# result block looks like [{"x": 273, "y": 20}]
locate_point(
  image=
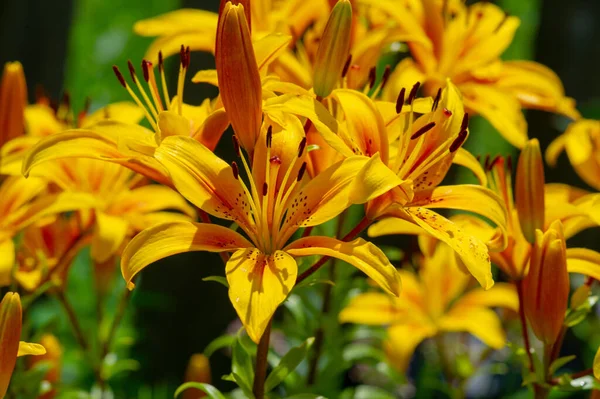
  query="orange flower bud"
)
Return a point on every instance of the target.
[
  {"x": 13, "y": 99},
  {"x": 10, "y": 334},
  {"x": 198, "y": 370},
  {"x": 52, "y": 357},
  {"x": 333, "y": 49},
  {"x": 237, "y": 71},
  {"x": 530, "y": 190},
  {"x": 546, "y": 287}
]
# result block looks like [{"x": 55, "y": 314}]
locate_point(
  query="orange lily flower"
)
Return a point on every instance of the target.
[
  {"x": 452, "y": 40},
  {"x": 278, "y": 199},
  {"x": 438, "y": 298}
]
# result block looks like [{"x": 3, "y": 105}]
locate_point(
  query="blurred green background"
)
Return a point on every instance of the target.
[{"x": 71, "y": 45}]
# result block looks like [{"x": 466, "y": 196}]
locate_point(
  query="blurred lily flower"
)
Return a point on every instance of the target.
[
  {"x": 436, "y": 299},
  {"x": 278, "y": 199},
  {"x": 448, "y": 39}
]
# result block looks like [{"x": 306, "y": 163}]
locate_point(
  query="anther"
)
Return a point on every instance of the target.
[
  {"x": 465, "y": 122},
  {"x": 458, "y": 142},
  {"x": 422, "y": 130},
  {"x": 346, "y": 66},
  {"x": 161, "y": 64},
  {"x": 372, "y": 77},
  {"x": 400, "y": 100},
  {"x": 265, "y": 189},
  {"x": 301, "y": 171},
  {"x": 235, "y": 170},
  {"x": 269, "y": 136},
  {"x": 447, "y": 112},
  {"x": 187, "y": 57},
  {"x": 131, "y": 70},
  {"x": 413, "y": 93},
  {"x": 436, "y": 101},
  {"x": 182, "y": 56},
  {"x": 119, "y": 76},
  {"x": 145, "y": 66},
  {"x": 275, "y": 160},
  {"x": 301, "y": 147},
  {"x": 509, "y": 165},
  {"x": 486, "y": 162},
  {"x": 236, "y": 145},
  {"x": 385, "y": 77}
]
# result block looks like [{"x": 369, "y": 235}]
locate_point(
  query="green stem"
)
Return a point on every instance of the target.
[
  {"x": 116, "y": 321},
  {"x": 260, "y": 372},
  {"x": 524, "y": 331}
]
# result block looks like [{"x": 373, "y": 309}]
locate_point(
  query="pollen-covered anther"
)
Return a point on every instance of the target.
[
  {"x": 385, "y": 77},
  {"x": 509, "y": 165},
  {"x": 236, "y": 145},
  {"x": 372, "y": 77},
  {"x": 459, "y": 141},
  {"x": 301, "y": 171},
  {"x": 131, "y": 71},
  {"x": 301, "y": 146},
  {"x": 265, "y": 189},
  {"x": 146, "y": 65},
  {"x": 269, "y": 136},
  {"x": 422, "y": 130},
  {"x": 400, "y": 100},
  {"x": 161, "y": 63},
  {"x": 413, "y": 93},
  {"x": 465, "y": 122},
  {"x": 436, "y": 101},
  {"x": 119, "y": 75},
  {"x": 346, "y": 66},
  {"x": 235, "y": 170}
]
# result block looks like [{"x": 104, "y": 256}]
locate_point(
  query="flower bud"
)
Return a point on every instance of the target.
[
  {"x": 546, "y": 286},
  {"x": 237, "y": 71},
  {"x": 198, "y": 370},
  {"x": 53, "y": 358},
  {"x": 10, "y": 334},
  {"x": 13, "y": 99},
  {"x": 530, "y": 190},
  {"x": 333, "y": 49}
]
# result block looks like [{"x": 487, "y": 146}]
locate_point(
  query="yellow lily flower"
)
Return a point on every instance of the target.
[
  {"x": 24, "y": 202},
  {"x": 10, "y": 333},
  {"x": 123, "y": 141},
  {"x": 575, "y": 208},
  {"x": 418, "y": 151},
  {"x": 452, "y": 40},
  {"x": 435, "y": 300},
  {"x": 278, "y": 199},
  {"x": 581, "y": 141}
]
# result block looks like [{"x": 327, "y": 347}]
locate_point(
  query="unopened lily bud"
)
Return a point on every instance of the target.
[
  {"x": 333, "y": 49},
  {"x": 237, "y": 72},
  {"x": 530, "y": 190},
  {"x": 10, "y": 334},
  {"x": 546, "y": 286},
  {"x": 53, "y": 359},
  {"x": 13, "y": 99},
  {"x": 198, "y": 370}
]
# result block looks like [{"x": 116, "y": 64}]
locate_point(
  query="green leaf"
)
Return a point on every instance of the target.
[
  {"x": 241, "y": 366},
  {"x": 577, "y": 315},
  {"x": 366, "y": 392},
  {"x": 597, "y": 364},
  {"x": 360, "y": 352},
  {"x": 224, "y": 341},
  {"x": 288, "y": 363},
  {"x": 558, "y": 363},
  {"x": 306, "y": 396},
  {"x": 243, "y": 385},
  {"x": 208, "y": 389},
  {"x": 217, "y": 279}
]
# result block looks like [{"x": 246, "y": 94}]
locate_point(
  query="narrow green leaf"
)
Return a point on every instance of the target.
[
  {"x": 217, "y": 279},
  {"x": 208, "y": 389},
  {"x": 597, "y": 364},
  {"x": 224, "y": 341},
  {"x": 306, "y": 396},
  {"x": 558, "y": 363},
  {"x": 288, "y": 363},
  {"x": 360, "y": 352},
  {"x": 241, "y": 366}
]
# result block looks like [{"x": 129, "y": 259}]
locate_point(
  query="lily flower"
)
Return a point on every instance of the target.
[
  {"x": 464, "y": 43},
  {"x": 11, "y": 315},
  {"x": 277, "y": 200},
  {"x": 437, "y": 299},
  {"x": 419, "y": 152},
  {"x": 124, "y": 141},
  {"x": 581, "y": 141}
]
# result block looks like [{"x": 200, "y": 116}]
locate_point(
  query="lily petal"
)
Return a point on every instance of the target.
[
  {"x": 109, "y": 234},
  {"x": 160, "y": 241},
  {"x": 466, "y": 159},
  {"x": 258, "y": 284},
  {"x": 28, "y": 348},
  {"x": 583, "y": 261},
  {"x": 482, "y": 323},
  {"x": 7, "y": 261},
  {"x": 359, "y": 253},
  {"x": 501, "y": 295},
  {"x": 371, "y": 308},
  {"x": 402, "y": 341}
]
